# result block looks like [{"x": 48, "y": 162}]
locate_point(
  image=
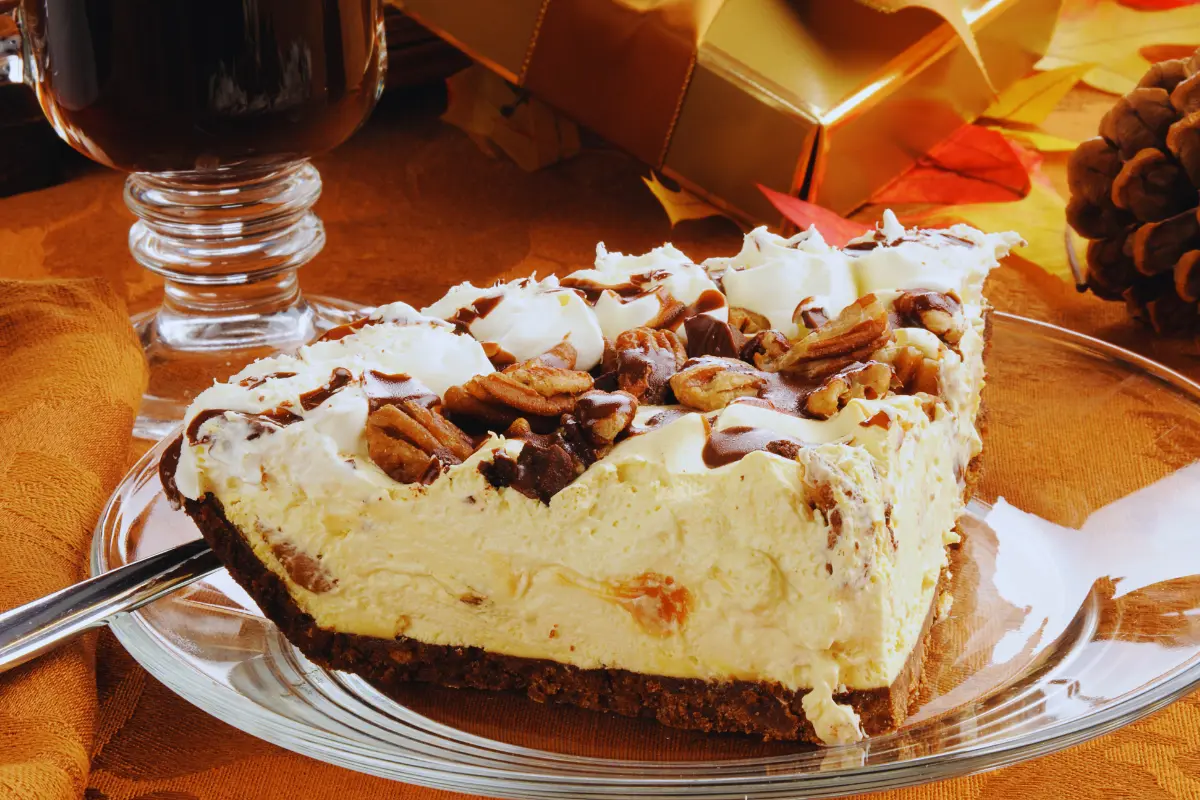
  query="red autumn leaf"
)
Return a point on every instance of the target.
[
  {"x": 834, "y": 229},
  {"x": 1157, "y": 5},
  {"x": 975, "y": 165}
]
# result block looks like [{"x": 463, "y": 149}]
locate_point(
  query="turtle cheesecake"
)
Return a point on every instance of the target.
[{"x": 717, "y": 494}]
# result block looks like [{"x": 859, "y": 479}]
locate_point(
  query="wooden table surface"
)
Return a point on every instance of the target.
[{"x": 412, "y": 206}]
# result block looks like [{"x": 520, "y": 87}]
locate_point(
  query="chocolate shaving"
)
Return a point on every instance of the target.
[{"x": 709, "y": 336}]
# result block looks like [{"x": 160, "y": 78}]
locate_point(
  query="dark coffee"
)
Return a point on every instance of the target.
[{"x": 173, "y": 85}]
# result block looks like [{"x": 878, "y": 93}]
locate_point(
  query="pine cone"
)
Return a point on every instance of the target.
[{"x": 1134, "y": 193}]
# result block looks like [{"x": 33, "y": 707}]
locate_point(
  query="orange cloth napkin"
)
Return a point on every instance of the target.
[{"x": 71, "y": 376}]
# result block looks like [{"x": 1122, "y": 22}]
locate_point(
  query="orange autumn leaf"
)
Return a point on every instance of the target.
[
  {"x": 975, "y": 165},
  {"x": 835, "y": 229}
]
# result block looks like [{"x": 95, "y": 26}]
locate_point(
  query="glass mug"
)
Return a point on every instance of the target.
[{"x": 213, "y": 106}]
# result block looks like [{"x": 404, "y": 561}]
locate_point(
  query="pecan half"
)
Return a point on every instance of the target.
[
  {"x": 412, "y": 443},
  {"x": 747, "y": 321},
  {"x": 711, "y": 383},
  {"x": 870, "y": 380},
  {"x": 530, "y": 388},
  {"x": 645, "y": 361},
  {"x": 939, "y": 313},
  {"x": 862, "y": 328}
]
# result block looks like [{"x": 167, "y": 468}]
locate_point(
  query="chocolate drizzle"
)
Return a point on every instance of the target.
[
  {"x": 167, "y": 467},
  {"x": 382, "y": 389},
  {"x": 263, "y": 422},
  {"x": 339, "y": 379},
  {"x": 664, "y": 417},
  {"x": 672, "y": 313},
  {"x": 632, "y": 289},
  {"x": 342, "y": 331},
  {"x": 477, "y": 309},
  {"x": 671, "y": 317},
  {"x": 497, "y": 355},
  {"x": 733, "y": 444},
  {"x": 253, "y": 382},
  {"x": 930, "y": 237}
]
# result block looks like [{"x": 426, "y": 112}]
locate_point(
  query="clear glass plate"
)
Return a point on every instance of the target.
[{"x": 1076, "y": 610}]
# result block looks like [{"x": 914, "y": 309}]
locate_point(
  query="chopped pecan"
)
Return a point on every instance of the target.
[
  {"x": 862, "y": 328},
  {"x": 914, "y": 372},
  {"x": 530, "y": 388},
  {"x": 412, "y": 443},
  {"x": 711, "y": 383},
  {"x": 645, "y": 361},
  {"x": 870, "y": 380},
  {"x": 765, "y": 347},
  {"x": 747, "y": 321},
  {"x": 939, "y": 313},
  {"x": 604, "y": 416},
  {"x": 562, "y": 356}
]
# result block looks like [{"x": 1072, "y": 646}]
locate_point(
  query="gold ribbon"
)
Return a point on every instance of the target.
[{"x": 625, "y": 59}]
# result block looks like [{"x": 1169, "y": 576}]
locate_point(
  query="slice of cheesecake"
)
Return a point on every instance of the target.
[{"x": 714, "y": 494}]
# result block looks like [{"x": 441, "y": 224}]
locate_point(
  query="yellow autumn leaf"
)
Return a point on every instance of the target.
[
  {"x": 1040, "y": 217},
  {"x": 504, "y": 118},
  {"x": 680, "y": 204},
  {"x": 1042, "y": 142},
  {"x": 1110, "y": 35},
  {"x": 953, "y": 11},
  {"x": 1030, "y": 100}
]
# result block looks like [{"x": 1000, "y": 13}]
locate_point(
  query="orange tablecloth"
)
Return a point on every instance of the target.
[{"x": 411, "y": 205}]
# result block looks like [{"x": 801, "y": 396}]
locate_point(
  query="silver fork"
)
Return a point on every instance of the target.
[{"x": 28, "y": 631}]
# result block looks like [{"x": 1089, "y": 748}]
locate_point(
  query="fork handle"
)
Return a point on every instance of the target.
[{"x": 30, "y": 630}]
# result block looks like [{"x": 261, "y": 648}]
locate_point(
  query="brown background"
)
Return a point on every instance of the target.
[{"x": 411, "y": 206}]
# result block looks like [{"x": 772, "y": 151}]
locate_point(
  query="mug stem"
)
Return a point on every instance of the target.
[{"x": 228, "y": 243}]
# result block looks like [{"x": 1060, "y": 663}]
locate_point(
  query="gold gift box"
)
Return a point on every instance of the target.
[{"x": 825, "y": 99}]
